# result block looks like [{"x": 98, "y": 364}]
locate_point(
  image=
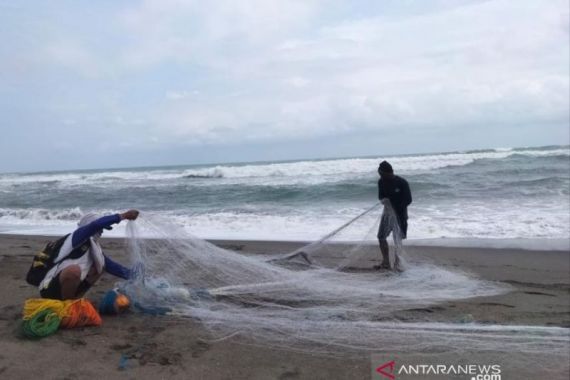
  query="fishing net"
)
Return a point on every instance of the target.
[{"x": 323, "y": 297}]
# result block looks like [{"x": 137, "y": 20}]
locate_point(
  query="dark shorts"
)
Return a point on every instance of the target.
[
  {"x": 53, "y": 291},
  {"x": 388, "y": 225}
]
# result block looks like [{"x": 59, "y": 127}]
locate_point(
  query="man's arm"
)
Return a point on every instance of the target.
[
  {"x": 407, "y": 194},
  {"x": 81, "y": 234},
  {"x": 116, "y": 269},
  {"x": 380, "y": 190}
]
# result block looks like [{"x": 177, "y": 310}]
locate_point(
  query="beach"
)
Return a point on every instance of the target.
[
  {"x": 285, "y": 190},
  {"x": 139, "y": 346}
]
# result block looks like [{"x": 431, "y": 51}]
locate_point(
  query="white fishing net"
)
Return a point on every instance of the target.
[{"x": 324, "y": 297}]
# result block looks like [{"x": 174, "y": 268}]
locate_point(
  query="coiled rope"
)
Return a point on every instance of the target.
[
  {"x": 43, "y": 317},
  {"x": 41, "y": 324}
]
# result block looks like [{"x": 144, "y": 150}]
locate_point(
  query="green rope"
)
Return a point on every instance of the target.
[{"x": 42, "y": 324}]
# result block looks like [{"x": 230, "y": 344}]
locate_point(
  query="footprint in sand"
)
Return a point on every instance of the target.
[
  {"x": 427, "y": 309},
  {"x": 540, "y": 294},
  {"x": 121, "y": 347},
  {"x": 496, "y": 304},
  {"x": 8, "y": 313},
  {"x": 287, "y": 375},
  {"x": 199, "y": 348}
]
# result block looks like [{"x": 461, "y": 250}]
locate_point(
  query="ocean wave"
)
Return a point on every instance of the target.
[
  {"x": 542, "y": 148},
  {"x": 40, "y": 214},
  {"x": 495, "y": 150},
  {"x": 542, "y": 183},
  {"x": 213, "y": 173},
  {"x": 476, "y": 219},
  {"x": 84, "y": 178},
  {"x": 555, "y": 155},
  {"x": 308, "y": 171},
  {"x": 503, "y": 149},
  {"x": 364, "y": 166}
]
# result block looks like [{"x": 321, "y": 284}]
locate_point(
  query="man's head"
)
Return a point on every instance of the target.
[{"x": 385, "y": 170}]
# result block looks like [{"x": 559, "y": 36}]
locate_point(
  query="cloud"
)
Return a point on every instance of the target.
[
  {"x": 69, "y": 54},
  {"x": 193, "y": 32},
  {"x": 484, "y": 63},
  {"x": 155, "y": 74}
]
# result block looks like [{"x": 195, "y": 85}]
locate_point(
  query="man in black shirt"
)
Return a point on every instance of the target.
[{"x": 394, "y": 192}]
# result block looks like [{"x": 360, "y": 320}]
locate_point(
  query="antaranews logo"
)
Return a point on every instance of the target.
[
  {"x": 390, "y": 370},
  {"x": 384, "y": 368}
]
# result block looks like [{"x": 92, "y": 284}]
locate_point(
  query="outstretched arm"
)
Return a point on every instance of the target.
[
  {"x": 81, "y": 235},
  {"x": 116, "y": 269}
]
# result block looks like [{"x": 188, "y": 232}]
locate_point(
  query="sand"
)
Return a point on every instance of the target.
[{"x": 136, "y": 346}]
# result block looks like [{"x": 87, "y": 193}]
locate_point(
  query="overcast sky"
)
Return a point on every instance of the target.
[{"x": 97, "y": 84}]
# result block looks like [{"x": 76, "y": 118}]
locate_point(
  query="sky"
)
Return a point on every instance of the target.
[{"x": 103, "y": 84}]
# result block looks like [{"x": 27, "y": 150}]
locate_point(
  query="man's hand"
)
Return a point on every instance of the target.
[{"x": 130, "y": 215}]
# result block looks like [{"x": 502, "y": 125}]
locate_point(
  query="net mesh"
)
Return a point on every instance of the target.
[{"x": 324, "y": 297}]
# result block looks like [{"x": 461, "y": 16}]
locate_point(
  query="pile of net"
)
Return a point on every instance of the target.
[{"x": 324, "y": 297}]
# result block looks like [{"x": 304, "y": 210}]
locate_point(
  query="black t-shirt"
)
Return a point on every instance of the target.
[{"x": 398, "y": 191}]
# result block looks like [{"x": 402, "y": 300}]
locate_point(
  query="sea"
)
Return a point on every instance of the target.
[{"x": 506, "y": 198}]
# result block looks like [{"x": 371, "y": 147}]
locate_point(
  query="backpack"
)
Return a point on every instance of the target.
[{"x": 45, "y": 259}]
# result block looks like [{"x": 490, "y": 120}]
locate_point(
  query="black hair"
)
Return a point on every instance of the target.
[{"x": 385, "y": 167}]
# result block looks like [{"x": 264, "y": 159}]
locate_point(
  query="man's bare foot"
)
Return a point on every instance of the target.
[
  {"x": 397, "y": 265},
  {"x": 383, "y": 265}
]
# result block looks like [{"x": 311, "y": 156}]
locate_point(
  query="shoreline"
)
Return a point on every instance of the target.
[
  {"x": 526, "y": 244},
  {"x": 174, "y": 347}
]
